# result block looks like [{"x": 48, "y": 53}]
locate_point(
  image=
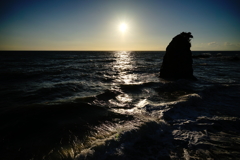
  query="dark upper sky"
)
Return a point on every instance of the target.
[{"x": 96, "y": 24}]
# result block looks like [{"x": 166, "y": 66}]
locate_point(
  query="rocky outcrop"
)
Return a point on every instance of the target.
[{"x": 177, "y": 61}]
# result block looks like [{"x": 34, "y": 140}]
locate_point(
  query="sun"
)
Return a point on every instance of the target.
[{"x": 123, "y": 27}]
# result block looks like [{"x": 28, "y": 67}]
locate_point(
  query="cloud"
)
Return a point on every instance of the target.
[
  {"x": 217, "y": 46},
  {"x": 228, "y": 44},
  {"x": 212, "y": 44}
]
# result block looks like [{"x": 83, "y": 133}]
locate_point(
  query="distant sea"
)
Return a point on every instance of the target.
[{"x": 113, "y": 105}]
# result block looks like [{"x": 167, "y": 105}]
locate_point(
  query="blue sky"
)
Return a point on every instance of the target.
[{"x": 94, "y": 24}]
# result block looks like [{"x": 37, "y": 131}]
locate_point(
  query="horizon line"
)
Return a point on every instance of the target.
[{"x": 117, "y": 50}]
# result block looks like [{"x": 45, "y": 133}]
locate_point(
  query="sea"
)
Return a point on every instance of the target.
[{"x": 104, "y": 105}]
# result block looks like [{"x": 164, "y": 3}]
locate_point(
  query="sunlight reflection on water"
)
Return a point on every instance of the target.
[{"x": 124, "y": 66}]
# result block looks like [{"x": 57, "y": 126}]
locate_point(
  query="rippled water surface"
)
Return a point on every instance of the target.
[{"x": 113, "y": 105}]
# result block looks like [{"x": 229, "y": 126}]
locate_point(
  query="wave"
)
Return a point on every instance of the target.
[
  {"x": 202, "y": 55},
  {"x": 234, "y": 58},
  {"x": 43, "y": 130},
  {"x": 231, "y": 57},
  {"x": 194, "y": 126}
]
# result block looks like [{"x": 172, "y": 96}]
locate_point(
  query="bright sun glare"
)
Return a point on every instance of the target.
[{"x": 123, "y": 27}]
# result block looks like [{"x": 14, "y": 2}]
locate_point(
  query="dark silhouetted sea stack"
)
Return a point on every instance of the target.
[{"x": 177, "y": 61}]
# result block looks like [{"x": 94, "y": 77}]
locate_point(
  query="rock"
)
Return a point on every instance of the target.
[{"x": 177, "y": 61}]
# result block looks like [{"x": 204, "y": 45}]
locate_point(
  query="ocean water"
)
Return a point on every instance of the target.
[{"x": 113, "y": 105}]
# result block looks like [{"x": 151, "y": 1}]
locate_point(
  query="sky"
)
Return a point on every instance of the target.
[{"x": 95, "y": 24}]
